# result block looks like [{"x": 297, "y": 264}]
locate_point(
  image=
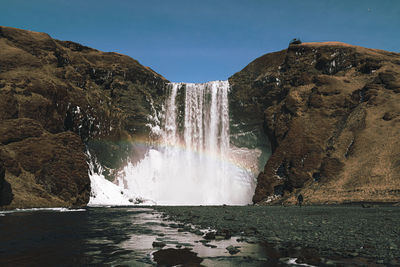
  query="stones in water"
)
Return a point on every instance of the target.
[
  {"x": 223, "y": 234},
  {"x": 158, "y": 244},
  {"x": 232, "y": 250},
  {"x": 209, "y": 236},
  {"x": 172, "y": 257}
]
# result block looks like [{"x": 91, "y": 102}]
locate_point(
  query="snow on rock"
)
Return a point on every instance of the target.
[{"x": 106, "y": 193}]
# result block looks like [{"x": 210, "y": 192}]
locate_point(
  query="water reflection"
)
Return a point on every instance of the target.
[{"x": 107, "y": 236}]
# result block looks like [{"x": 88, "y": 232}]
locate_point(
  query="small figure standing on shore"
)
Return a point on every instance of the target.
[{"x": 300, "y": 200}]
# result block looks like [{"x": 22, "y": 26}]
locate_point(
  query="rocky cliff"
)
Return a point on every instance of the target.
[
  {"x": 58, "y": 99},
  {"x": 332, "y": 114}
]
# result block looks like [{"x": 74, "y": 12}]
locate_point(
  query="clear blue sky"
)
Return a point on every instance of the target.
[{"x": 202, "y": 40}]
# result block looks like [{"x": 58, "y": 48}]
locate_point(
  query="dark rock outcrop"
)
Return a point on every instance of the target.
[
  {"x": 59, "y": 98},
  {"x": 330, "y": 113},
  {"x": 172, "y": 257},
  {"x": 6, "y": 195}
]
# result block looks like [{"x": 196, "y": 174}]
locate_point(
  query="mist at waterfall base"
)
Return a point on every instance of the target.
[{"x": 193, "y": 163}]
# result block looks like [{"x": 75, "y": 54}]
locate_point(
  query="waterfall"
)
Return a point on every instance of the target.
[{"x": 193, "y": 163}]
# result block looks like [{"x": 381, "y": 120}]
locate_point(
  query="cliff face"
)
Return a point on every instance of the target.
[
  {"x": 332, "y": 114},
  {"x": 57, "y": 97},
  {"x": 330, "y": 110}
]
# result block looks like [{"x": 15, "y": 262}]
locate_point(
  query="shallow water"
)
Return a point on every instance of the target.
[
  {"x": 124, "y": 236},
  {"x": 106, "y": 236}
]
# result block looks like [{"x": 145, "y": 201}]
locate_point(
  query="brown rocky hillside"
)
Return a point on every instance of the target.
[
  {"x": 58, "y": 98},
  {"x": 332, "y": 114}
]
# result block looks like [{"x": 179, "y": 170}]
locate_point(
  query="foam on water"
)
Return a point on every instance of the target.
[{"x": 2, "y": 213}]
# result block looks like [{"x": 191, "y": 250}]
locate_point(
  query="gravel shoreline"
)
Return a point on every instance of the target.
[{"x": 365, "y": 235}]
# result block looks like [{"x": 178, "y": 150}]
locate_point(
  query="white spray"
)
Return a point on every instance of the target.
[{"x": 192, "y": 165}]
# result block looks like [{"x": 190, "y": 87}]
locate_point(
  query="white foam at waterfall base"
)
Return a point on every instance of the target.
[
  {"x": 193, "y": 165},
  {"x": 174, "y": 176}
]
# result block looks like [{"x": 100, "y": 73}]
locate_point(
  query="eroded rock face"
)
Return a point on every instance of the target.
[
  {"x": 43, "y": 169},
  {"x": 56, "y": 97},
  {"x": 331, "y": 113}
]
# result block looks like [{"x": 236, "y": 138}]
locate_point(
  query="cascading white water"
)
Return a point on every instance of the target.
[{"x": 193, "y": 163}]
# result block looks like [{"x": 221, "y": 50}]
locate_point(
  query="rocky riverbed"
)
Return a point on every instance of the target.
[
  {"x": 117, "y": 236},
  {"x": 353, "y": 235},
  {"x": 202, "y": 236}
]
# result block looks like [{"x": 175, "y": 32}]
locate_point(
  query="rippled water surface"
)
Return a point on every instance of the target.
[{"x": 105, "y": 236}]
